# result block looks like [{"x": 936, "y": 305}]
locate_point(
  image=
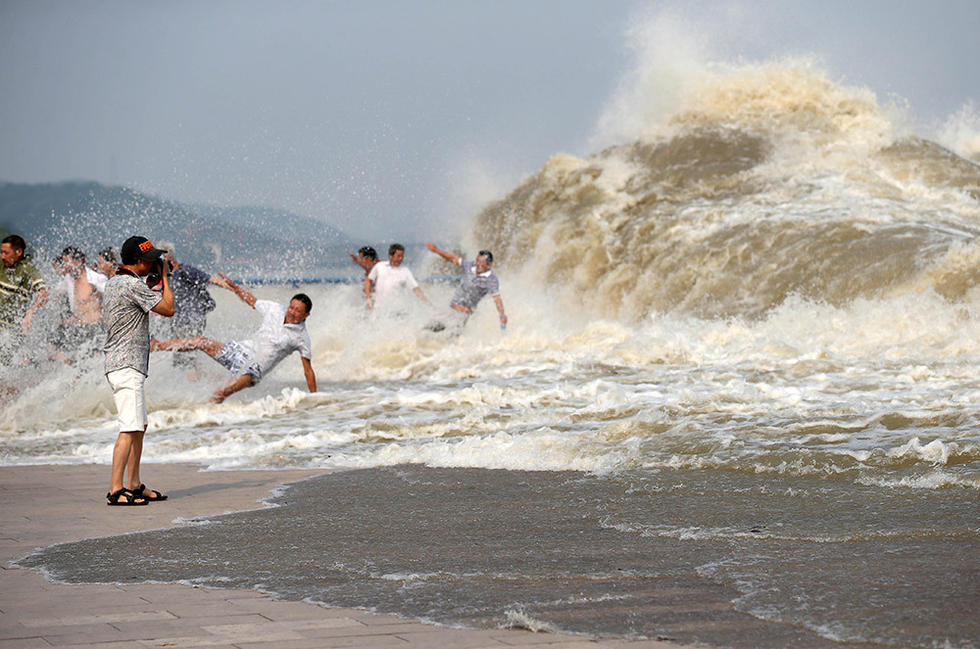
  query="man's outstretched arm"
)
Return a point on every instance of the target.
[
  {"x": 500, "y": 309},
  {"x": 39, "y": 301},
  {"x": 418, "y": 292},
  {"x": 309, "y": 373},
  {"x": 448, "y": 256},
  {"x": 244, "y": 295},
  {"x": 367, "y": 293},
  {"x": 218, "y": 281},
  {"x": 366, "y": 264}
]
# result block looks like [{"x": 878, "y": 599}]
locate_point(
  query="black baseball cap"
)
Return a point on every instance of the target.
[{"x": 136, "y": 248}]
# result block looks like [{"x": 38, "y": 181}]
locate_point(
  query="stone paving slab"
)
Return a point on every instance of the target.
[
  {"x": 27, "y": 643},
  {"x": 35, "y": 613}
]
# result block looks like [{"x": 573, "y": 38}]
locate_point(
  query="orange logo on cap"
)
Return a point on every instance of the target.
[{"x": 146, "y": 246}]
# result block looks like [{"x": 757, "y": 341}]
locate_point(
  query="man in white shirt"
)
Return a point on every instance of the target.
[
  {"x": 390, "y": 279},
  {"x": 83, "y": 286},
  {"x": 283, "y": 331}
]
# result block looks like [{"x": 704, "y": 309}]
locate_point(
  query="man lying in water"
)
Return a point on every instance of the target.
[{"x": 283, "y": 331}]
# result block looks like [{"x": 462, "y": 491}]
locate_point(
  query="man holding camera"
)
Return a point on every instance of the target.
[{"x": 126, "y": 307}]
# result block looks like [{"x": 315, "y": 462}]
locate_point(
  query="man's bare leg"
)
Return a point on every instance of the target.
[
  {"x": 210, "y": 347},
  {"x": 122, "y": 454},
  {"x": 133, "y": 463},
  {"x": 230, "y": 388}
]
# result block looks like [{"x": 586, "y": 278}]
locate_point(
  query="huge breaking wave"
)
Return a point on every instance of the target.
[
  {"x": 769, "y": 181},
  {"x": 776, "y": 278}
]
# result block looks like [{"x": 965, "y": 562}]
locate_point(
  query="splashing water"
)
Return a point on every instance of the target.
[{"x": 773, "y": 283}]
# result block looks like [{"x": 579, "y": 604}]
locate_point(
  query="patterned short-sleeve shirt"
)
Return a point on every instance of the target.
[
  {"x": 126, "y": 307},
  {"x": 473, "y": 287}
]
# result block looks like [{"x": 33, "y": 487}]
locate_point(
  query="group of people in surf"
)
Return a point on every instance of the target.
[
  {"x": 120, "y": 298},
  {"x": 73, "y": 322},
  {"x": 384, "y": 280},
  {"x": 81, "y": 289}
]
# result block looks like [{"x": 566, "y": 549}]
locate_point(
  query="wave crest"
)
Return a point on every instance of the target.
[{"x": 774, "y": 182}]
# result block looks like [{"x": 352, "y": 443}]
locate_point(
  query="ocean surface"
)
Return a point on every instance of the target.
[{"x": 736, "y": 403}]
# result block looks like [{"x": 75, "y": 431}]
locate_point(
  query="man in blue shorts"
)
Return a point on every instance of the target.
[
  {"x": 283, "y": 331},
  {"x": 477, "y": 281}
]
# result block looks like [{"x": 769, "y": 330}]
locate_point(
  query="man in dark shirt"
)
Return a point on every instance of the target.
[{"x": 192, "y": 301}]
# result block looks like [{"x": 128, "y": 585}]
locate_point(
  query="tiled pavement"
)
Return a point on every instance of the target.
[{"x": 51, "y": 504}]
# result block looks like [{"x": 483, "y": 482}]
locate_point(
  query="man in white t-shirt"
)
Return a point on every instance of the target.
[
  {"x": 390, "y": 279},
  {"x": 83, "y": 286},
  {"x": 283, "y": 331}
]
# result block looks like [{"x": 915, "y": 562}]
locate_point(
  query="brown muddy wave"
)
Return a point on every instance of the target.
[{"x": 735, "y": 207}]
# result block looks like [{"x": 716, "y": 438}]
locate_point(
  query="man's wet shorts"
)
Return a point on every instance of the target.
[
  {"x": 130, "y": 398},
  {"x": 239, "y": 361}
]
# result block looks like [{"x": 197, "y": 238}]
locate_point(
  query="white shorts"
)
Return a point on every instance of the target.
[{"x": 130, "y": 398}]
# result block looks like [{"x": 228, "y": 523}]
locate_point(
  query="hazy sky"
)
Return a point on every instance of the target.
[{"x": 398, "y": 118}]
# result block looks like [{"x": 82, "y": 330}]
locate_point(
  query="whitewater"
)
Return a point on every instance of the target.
[{"x": 750, "y": 334}]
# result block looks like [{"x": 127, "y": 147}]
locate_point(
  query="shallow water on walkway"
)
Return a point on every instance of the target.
[{"x": 643, "y": 554}]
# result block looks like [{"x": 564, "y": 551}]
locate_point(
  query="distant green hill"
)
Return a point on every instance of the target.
[{"x": 251, "y": 240}]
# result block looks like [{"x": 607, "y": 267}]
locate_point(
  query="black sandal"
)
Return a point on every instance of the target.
[
  {"x": 151, "y": 497},
  {"x": 131, "y": 498}
]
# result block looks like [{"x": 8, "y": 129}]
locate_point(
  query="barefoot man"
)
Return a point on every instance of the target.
[{"x": 283, "y": 331}]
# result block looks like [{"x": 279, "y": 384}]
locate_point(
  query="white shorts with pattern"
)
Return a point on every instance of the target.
[{"x": 239, "y": 361}]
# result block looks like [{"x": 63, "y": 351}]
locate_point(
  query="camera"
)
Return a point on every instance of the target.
[{"x": 156, "y": 275}]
